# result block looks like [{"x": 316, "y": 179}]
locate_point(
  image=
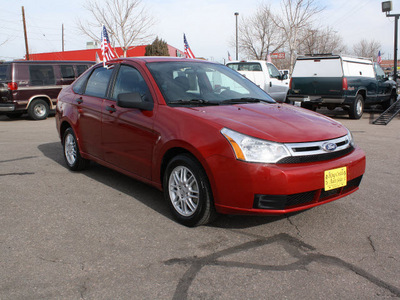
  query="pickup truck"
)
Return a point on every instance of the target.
[
  {"x": 265, "y": 75},
  {"x": 339, "y": 81}
]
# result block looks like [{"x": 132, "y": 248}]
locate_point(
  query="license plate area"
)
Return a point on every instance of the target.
[{"x": 335, "y": 178}]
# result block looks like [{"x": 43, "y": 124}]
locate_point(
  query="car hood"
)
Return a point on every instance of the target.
[{"x": 274, "y": 122}]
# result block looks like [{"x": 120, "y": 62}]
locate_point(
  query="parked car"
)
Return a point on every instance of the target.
[
  {"x": 209, "y": 138},
  {"x": 33, "y": 86},
  {"x": 340, "y": 81},
  {"x": 265, "y": 75}
]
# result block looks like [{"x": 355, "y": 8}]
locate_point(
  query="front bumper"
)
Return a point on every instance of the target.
[{"x": 274, "y": 189}]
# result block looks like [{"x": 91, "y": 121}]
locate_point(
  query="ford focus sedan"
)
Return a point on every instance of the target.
[{"x": 209, "y": 138}]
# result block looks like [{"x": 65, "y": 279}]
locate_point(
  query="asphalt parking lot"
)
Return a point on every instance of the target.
[{"x": 98, "y": 234}]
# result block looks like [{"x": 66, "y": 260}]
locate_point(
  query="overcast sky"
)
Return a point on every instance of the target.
[{"x": 209, "y": 25}]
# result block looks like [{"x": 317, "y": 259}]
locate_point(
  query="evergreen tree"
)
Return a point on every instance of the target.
[{"x": 157, "y": 48}]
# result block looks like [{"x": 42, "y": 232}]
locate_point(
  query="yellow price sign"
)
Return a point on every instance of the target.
[{"x": 335, "y": 178}]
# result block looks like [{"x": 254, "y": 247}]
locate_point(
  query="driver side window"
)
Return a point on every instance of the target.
[
  {"x": 273, "y": 71},
  {"x": 129, "y": 80},
  {"x": 379, "y": 71}
]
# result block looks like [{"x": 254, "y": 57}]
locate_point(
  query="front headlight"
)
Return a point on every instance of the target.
[
  {"x": 350, "y": 138},
  {"x": 251, "y": 149}
]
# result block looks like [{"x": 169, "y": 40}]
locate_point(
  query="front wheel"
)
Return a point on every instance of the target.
[
  {"x": 389, "y": 103},
  {"x": 188, "y": 192},
  {"x": 357, "y": 108},
  {"x": 72, "y": 155}
]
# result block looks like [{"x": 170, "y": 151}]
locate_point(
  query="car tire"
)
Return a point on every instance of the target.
[
  {"x": 38, "y": 109},
  {"x": 388, "y": 103},
  {"x": 72, "y": 155},
  {"x": 308, "y": 106},
  {"x": 357, "y": 108},
  {"x": 188, "y": 192}
]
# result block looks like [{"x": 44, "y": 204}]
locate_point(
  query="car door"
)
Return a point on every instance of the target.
[
  {"x": 128, "y": 137},
  {"x": 90, "y": 103},
  {"x": 276, "y": 87}
]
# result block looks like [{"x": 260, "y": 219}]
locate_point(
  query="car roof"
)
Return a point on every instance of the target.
[{"x": 149, "y": 59}]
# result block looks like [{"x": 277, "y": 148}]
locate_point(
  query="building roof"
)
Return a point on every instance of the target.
[{"x": 90, "y": 54}]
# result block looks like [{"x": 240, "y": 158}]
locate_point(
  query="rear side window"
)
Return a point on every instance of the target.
[
  {"x": 4, "y": 72},
  {"x": 98, "y": 82},
  {"x": 81, "y": 68},
  {"x": 42, "y": 75},
  {"x": 67, "y": 72},
  {"x": 358, "y": 69},
  {"x": 80, "y": 84}
]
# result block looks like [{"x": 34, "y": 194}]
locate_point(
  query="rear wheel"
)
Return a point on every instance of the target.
[
  {"x": 357, "y": 107},
  {"x": 72, "y": 155},
  {"x": 188, "y": 192},
  {"x": 309, "y": 106},
  {"x": 38, "y": 109}
]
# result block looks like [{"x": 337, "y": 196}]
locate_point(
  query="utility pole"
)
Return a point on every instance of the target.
[
  {"x": 62, "y": 29},
  {"x": 25, "y": 35}
]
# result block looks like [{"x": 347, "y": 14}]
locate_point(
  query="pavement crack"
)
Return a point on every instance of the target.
[
  {"x": 18, "y": 174},
  {"x": 303, "y": 254},
  {"x": 371, "y": 244},
  {"x": 17, "y": 159},
  {"x": 294, "y": 225}
]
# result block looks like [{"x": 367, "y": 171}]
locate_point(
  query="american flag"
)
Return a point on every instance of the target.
[
  {"x": 106, "y": 49},
  {"x": 229, "y": 56},
  {"x": 379, "y": 59},
  {"x": 188, "y": 51}
]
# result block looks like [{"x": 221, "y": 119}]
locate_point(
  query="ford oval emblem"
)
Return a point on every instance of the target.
[{"x": 329, "y": 147}]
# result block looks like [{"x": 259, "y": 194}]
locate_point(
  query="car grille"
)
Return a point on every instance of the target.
[
  {"x": 281, "y": 202},
  {"x": 315, "y": 151}
]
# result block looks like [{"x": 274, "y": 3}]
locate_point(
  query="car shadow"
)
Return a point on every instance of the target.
[
  {"x": 144, "y": 193},
  {"x": 149, "y": 196},
  {"x": 24, "y": 117}
]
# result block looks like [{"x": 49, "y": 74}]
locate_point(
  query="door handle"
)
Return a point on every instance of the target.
[
  {"x": 270, "y": 83},
  {"x": 111, "y": 109},
  {"x": 79, "y": 100}
]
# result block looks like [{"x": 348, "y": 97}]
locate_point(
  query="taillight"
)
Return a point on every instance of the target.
[
  {"x": 12, "y": 86},
  {"x": 290, "y": 83},
  {"x": 344, "y": 84}
]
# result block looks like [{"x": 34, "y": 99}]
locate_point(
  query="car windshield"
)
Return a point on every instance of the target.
[{"x": 201, "y": 83}]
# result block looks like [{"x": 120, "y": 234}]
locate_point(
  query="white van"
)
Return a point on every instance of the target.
[{"x": 265, "y": 75}]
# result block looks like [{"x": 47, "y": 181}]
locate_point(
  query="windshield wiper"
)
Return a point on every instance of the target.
[
  {"x": 242, "y": 100},
  {"x": 193, "y": 102}
]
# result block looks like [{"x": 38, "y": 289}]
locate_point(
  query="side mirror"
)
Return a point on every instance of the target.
[{"x": 134, "y": 100}]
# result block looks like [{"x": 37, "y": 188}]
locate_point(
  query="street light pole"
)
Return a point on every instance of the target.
[
  {"x": 396, "y": 19},
  {"x": 237, "y": 43},
  {"x": 386, "y": 8}
]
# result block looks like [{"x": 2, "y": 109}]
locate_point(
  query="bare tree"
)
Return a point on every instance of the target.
[
  {"x": 296, "y": 16},
  {"x": 127, "y": 22},
  {"x": 366, "y": 48},
  {"x": 258, "y": 35},
  {"x": 324, "y": 40}
]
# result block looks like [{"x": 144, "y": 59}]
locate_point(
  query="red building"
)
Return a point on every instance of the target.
[{"x": 90, "y": 54}]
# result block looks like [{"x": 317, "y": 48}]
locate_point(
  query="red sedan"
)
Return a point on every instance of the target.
[{"x": 209, "y": 138}]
